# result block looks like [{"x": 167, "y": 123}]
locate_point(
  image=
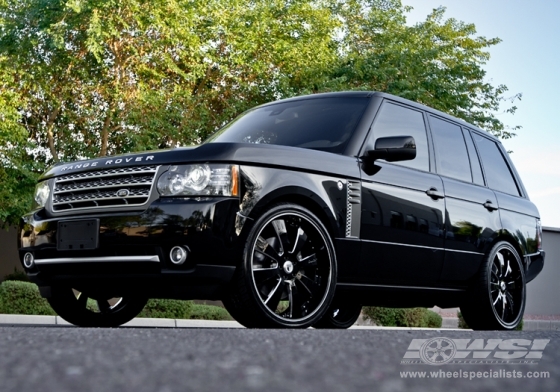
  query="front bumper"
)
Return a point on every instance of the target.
[{"x": 132, "y": 249}]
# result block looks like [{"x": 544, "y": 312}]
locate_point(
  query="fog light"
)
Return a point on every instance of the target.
[
  {"x": 28, "y": 260},
  {"x": 178, "y": 255}
]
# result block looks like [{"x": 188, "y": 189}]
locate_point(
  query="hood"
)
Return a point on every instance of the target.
[{"x": 238, "y": 153}]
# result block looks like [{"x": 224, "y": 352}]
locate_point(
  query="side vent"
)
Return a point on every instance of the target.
[{"x": 353, "y": 208}]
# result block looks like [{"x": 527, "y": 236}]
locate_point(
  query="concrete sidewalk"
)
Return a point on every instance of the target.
[
  {"x": 19, "y": 319},
  {"x": 448, "y": 323}
]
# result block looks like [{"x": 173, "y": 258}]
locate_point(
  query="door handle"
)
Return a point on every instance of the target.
[
  {"x": 434, "y": 193},
  {"x": 489, "y": 206}
]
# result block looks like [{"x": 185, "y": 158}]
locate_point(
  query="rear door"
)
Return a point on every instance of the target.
[
  {"x": 518, "y": 215},
  {"x": 472, "y": 217}
]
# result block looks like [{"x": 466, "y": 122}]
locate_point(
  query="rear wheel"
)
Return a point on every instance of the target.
[
  {"x": 288, "y": 274},
  {"x": 342, "y": 314},
  {"x": 80, "y": 309},
  {"x": 497, "y": 297}
]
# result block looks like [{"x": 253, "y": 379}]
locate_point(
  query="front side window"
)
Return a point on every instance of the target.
[
  {"x": 396, "y": 120},
  {"x": 452, "y": 159},
  {"x": 318, "y": 123},
  {"x": 498, "y": 175}
]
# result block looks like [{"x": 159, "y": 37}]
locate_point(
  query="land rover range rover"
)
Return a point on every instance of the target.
[{"x": 295, "y": 214}]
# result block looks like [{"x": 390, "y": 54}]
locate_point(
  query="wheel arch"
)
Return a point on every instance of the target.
[
  {"x": 303, "y": 197},
  {"x": 506, "y": 236}
]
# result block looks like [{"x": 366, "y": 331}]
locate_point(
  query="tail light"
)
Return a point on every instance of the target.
[{"x": 539, "y": 234}]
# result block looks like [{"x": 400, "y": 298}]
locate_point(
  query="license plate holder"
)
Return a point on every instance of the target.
[{"x": 78, "y": 234}]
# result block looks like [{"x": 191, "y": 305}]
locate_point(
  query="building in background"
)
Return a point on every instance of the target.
[
  {"x": 543, "y": 292},
  {"x": 8, "y": 252}
]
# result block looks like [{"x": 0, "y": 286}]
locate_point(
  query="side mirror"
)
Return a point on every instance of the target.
[{"x": 394, "y": 148}]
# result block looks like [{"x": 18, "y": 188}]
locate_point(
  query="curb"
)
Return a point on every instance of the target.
[
  {"x": 449, "y": 323},
  {"x": 21, "y": 319}
]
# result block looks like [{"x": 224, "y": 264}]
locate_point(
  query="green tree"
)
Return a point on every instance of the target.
[
  {"x": 87, "y": 78},
  {"x": 438, "y": 62}
]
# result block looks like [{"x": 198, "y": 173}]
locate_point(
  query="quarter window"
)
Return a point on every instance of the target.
[
  {"x": 452, "y": 159},
  {"x": 396, "y": 120},
  {"x": 498, "y": 175}
]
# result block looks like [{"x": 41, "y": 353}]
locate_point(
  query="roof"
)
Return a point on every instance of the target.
[{"x": 371, "y": 94}]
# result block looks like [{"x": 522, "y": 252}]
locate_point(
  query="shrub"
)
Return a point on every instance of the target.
[
  {"x": 403, "y": 317},
  {"x": 167, "y": 308},
  {"x": 209, "y": 312},
  {"x": 18, "y": 297},
  {"x": 17, "y": 275},
  {"x": 463, "y": 324},
  {"x": 434, "y": 320},
  {"x": 382, "y": 316}
]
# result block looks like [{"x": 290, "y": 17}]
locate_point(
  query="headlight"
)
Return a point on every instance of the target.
[
  {"x": 199, "y": 180},
  {"x": 42, "y": 193}
]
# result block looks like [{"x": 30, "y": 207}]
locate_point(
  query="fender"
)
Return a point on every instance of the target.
[{"x": 261, "y": 187}]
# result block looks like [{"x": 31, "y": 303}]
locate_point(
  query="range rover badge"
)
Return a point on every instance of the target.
[{"x": 123, "y": 192}]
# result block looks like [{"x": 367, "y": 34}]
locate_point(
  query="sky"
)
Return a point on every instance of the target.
[{"x": 527, "y": 61}]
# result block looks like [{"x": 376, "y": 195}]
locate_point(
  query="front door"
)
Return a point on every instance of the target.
[{"x": 403, "y": 207}]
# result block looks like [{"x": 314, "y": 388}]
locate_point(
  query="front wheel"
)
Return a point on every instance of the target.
[
  {"x": 497, "y": 297},
  {"x": 288, "y": 274},
  {"x": 80, "y": 309}
]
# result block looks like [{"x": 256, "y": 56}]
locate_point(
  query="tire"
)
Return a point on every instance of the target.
[
  {"x": 341, "y": 315},
  {"x": 288, "y": 273},
  {"x": 497, "y": 297},
  {"x": 73, "y": 307}
]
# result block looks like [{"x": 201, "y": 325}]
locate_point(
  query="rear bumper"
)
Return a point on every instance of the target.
[
  {"x": 535, "y": 264},
  {"x": 132, "y": 252}
]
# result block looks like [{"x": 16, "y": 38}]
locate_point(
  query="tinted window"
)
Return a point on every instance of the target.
[
  {"x": 320, "y": 123},
  {"x": 452, "y": 159},
  {"x": 496, "y": 169},
  {"x": 395, "y": 120},
  {"x": 475, "y": 162}
]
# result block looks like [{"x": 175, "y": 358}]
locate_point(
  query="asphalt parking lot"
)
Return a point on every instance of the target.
[{"x": 205, "y": 358}]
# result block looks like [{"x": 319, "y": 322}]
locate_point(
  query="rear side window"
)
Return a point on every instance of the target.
[
  {"x": 396, "y": 120},
  {"x": 475, "y": 162},
  {"x": 497, "y": 171},
  {"x": 452, "y": 159}
]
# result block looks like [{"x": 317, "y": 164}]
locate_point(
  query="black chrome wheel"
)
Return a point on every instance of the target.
[
  {"x": 80, "y": 309},
  {"x": 289, "y": 271},
  {"x": 342, "y": 314},
  {"x": 498, "y": 296},
  {"x": 507, "y": 287}
]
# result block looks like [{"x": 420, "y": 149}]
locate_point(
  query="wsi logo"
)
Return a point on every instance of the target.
[{"x": 441, "y": 350}]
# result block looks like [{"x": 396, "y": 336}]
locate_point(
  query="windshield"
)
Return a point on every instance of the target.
[{"x": 318, "y": 123}]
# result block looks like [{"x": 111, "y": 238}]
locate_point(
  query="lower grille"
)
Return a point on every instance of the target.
[{"x": 129, "y": 186}]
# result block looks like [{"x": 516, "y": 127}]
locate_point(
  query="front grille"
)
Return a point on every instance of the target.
[{"x": 127, "y": 186}]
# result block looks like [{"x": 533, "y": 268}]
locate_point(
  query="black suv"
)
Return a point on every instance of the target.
[{"x": 295, "y": 214}]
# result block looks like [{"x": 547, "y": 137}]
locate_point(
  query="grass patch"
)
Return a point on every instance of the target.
[
  {"x": 167, "y": 308},
  {"x": 19, "y": 297},
  {"x": 209, "y": 312},
  {"x": 403, "y": 317}
]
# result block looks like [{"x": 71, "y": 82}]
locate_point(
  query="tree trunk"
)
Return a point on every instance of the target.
[
  {"x": 105, "y": 134},
  {"x": 50, "y": 135}
]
